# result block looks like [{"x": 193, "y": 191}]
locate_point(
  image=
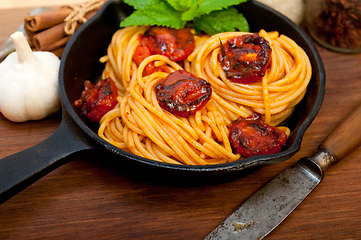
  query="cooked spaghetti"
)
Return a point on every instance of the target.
[{"x": 139, "y": 125}]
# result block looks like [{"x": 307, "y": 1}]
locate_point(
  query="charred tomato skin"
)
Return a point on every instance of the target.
[
  {"x": 183, "y": 94},
  {"x": 251, "y": 136},
  {"x": 96, "y": 100},
  {"x": 246, "y": 58},
  {"x": 176, "y": 44}
]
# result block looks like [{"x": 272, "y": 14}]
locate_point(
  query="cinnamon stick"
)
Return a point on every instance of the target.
[
  {"x": 50, "y": 31},
  {"x": 50, "y": 39},
  {"x": 46, "y": 19},
  {"x": 54, "y": 37}
]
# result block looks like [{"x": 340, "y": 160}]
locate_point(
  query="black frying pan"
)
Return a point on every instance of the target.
[{"x": 76, "y": 137}]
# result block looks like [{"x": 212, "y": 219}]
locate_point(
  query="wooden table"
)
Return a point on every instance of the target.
[{"x": 90, "y": 199}]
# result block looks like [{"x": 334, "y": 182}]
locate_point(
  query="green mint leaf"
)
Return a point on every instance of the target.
[
  {"x": 161, "y": 14},
  {"x": 208, "y": 6},
  {"x": 141, "y": 4},
  {"x": 187, "y": 7},
  {"x": 179, "y": 5},
  {"x": 226, "y": 20},
  {"x": 190, "y": 13}
]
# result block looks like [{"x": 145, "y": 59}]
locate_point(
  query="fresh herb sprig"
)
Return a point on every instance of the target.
[{"x": 209, "y": 16}]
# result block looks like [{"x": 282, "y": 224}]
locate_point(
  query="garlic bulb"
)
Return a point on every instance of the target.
[{"x": 29, "y": 88}]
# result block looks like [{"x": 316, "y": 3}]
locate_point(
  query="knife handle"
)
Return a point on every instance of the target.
[{"x": 346, "y": 137}]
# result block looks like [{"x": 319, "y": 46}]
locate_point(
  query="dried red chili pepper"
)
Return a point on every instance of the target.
[{"x": 337, "y": 22}]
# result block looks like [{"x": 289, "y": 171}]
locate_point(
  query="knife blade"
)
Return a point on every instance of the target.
[
  {"x": 8, "y": 47},
  {"x": 269, "y": 206}
]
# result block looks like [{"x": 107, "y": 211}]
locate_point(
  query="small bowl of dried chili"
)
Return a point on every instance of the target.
[{"x": 335, "y": 24}]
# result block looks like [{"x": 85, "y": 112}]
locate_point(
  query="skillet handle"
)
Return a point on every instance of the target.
[{"x": 20, "y": 170}]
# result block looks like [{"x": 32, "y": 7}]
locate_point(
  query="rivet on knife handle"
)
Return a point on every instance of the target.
[{"x": 269, "y": 206}]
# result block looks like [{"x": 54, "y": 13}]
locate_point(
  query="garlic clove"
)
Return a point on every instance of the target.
[{"x": 29, "y": 88}]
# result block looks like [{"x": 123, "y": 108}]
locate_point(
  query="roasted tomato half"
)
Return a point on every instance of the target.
[
  {"x": 251, "y": 136},
  {"x": 176, "y": 44},
  {"x": 182, "y": 93},
  {"x": 96, "y": 100},
  {"x": 245, "y": 58}
]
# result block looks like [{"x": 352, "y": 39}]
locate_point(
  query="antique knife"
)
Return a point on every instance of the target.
[{"x": 268, "y": 207}]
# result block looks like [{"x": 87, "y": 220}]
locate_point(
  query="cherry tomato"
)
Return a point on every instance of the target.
[
  {"x": 141, "y": 53},
  {"x": 251, "y": 136},
  {"x": 96, "y": 100},
  {"x": 182, "y": 93},
  {"x": 245, "y": 58},
  {"x": 177, "y": 45}
]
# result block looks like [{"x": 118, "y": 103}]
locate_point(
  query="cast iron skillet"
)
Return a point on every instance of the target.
[{"x": 77, "y": 138}]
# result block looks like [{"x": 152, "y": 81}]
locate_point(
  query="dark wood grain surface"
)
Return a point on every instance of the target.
[{"x": 91, "y": 199}]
